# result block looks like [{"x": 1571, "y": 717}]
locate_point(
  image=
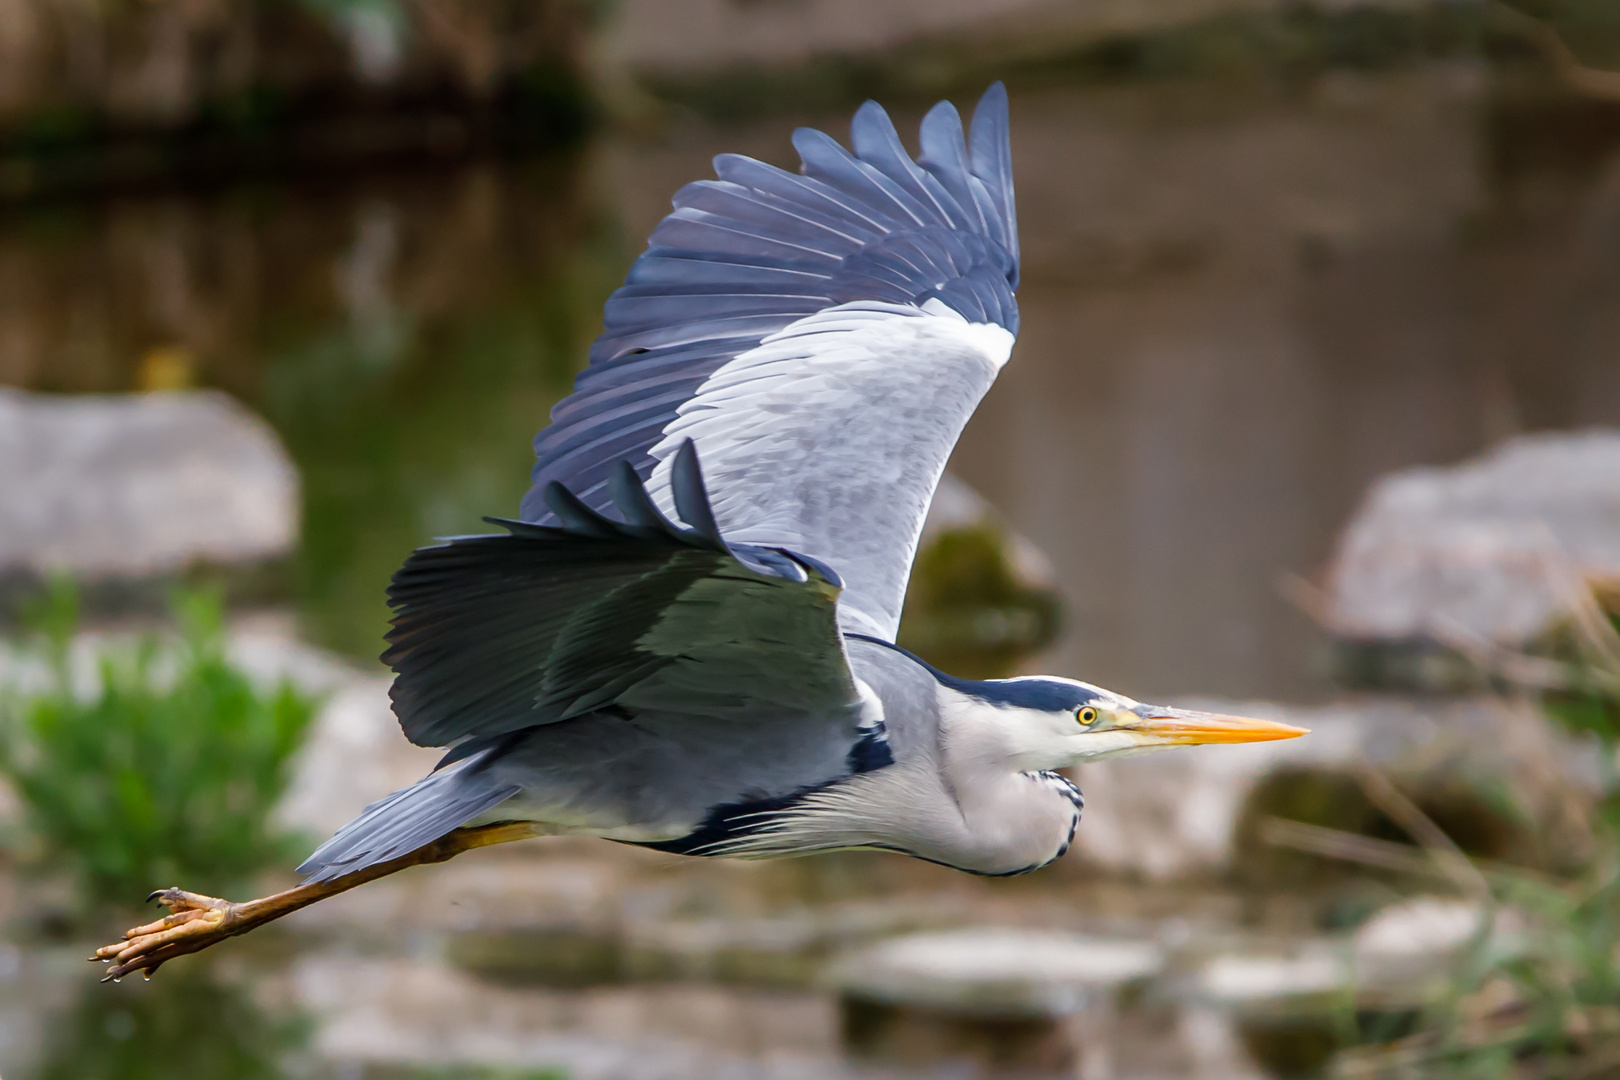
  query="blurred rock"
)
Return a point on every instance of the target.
[
  {"x": 386, "y": 1017},
  {"x": 957, "y": 506},
  {"x": 1400, "y": 951},
  {"x": 1287, "y": 1003},
  {"x": 997, "y": 971},
  {"x": 1294, "y": 1005},
  {"x": 1240, "y": 980},
  {"x": 562, "y": 957},
  {"x": 628, "y": 937},
  {"x": 139, "y": 486},
  {"x": 1180, "y": 814},
  {"x": 1005, "y": 999},
  {"x": 787, "y": 950},
  {"x": 1490, "y": 549},
  {"x": 981, "y": 601},
  {"x": 1406, "y": 947}
]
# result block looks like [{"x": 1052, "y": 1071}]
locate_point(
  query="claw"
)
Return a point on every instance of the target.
[
  {"x": 154, "y": 894},
  {"x": 194, "y": 922}
]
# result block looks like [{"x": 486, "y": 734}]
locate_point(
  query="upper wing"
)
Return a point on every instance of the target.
[
  {"x": 822, "y": 337},
  {"x": 493, "y": 634}
]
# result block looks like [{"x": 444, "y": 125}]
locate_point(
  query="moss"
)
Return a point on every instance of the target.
[
  {"x": 1482, "y": 819},
  {"x": 1591, "y": 27},
  {"x": 1587, "y": 705},
  {"x": 915, "y": 1035},
  {"x": 967, "y": 611},
  {"x": 569, "y": 957},
  {"x": 1301, "y": 1044}
]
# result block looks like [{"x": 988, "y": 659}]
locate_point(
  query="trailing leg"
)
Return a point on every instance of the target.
[{"x": 197, "y": 922}]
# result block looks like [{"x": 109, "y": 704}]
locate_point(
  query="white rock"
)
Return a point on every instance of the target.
[
  {"x": 133, "y": 485},
  {"x": 1426, "y": 926},
  {"x": 1411, "y": 946},
  {"x": 1242, "y": 979},
  {"x": 997, "y": 971},
  {"x": 1405, "y": 949},
  {"x": 1490, "y": 548}
]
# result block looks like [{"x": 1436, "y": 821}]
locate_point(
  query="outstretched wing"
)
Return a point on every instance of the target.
[
  {"x": 823, "y": 337},
  {"x": 493, "y": 634}
]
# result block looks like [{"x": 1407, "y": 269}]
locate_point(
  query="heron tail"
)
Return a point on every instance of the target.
[{"x": 409, "y": 818}]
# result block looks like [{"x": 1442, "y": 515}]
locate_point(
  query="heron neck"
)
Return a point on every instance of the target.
[{"x": 1011, "y": 809}]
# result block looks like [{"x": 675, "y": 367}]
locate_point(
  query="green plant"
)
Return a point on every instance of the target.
[
  {"x": 166, "y": 772},
  {"x": 1590, "y": 700},
  {"x": 155, "y": 1032},
  {"x": 1541, "y": 1001}
]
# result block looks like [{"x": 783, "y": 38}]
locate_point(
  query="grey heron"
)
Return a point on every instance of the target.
[{"x": 686, "y": 641}]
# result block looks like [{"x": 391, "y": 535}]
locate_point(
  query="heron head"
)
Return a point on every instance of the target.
[
  {"x": 1054, "y": 723},
  {"x": 1109, "y": 727}
]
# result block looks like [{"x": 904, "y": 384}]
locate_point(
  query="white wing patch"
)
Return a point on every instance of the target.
[
  {"x": 994, "y": 341},
  {"x": 830, "y": 436}
]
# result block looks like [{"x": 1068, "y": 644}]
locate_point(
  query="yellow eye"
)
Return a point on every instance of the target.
[{"x": 1087, "y": 716}]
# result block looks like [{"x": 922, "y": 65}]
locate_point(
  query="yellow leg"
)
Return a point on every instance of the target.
[{"x": 196, "y": 922}]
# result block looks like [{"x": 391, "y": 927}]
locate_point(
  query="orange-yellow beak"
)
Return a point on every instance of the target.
[{"x": 1182, "y": 727}]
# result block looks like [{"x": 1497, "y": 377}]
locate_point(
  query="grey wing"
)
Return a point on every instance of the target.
[
  {"x": 823, "y": 337},
  {"x": 624, "y": 678}
]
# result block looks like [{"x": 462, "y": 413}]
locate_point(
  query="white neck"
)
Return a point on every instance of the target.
[
  {"x": 985, "y": 738},
  {"x": 990, "y": 758}
]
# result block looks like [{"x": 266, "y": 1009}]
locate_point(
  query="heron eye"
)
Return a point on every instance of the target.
[{"x": 1087, "y": 716}]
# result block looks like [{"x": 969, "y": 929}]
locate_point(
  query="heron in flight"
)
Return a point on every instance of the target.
[{"x": 686, "y": 641}]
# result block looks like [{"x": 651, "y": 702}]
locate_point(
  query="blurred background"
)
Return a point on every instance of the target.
[{"x": 1315, "y": 414}]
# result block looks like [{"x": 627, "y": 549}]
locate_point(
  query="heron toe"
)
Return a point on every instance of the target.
[{"x": 195, "y": 922}]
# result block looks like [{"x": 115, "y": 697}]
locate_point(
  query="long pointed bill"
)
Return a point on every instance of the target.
[{"x": 1181, "y": 727}]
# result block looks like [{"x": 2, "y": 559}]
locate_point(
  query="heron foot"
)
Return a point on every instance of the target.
[{"x": 194, "y": 923}]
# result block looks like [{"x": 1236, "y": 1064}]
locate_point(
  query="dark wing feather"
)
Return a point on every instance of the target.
[{"x": 496, "y": 633}]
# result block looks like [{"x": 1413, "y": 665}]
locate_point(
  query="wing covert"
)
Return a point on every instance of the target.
[{"x": 494, "y": 634}]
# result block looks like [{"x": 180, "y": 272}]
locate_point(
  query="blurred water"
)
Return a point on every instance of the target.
[
  {"x": 1238, "y": 309},
  {"x": 406, "y": 335}
]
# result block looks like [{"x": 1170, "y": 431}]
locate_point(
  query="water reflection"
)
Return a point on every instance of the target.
[
  {"x": 405, "y": 335},
  {"x": 410, "y": 413},
  {"x": 1239, "y": 308}
]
